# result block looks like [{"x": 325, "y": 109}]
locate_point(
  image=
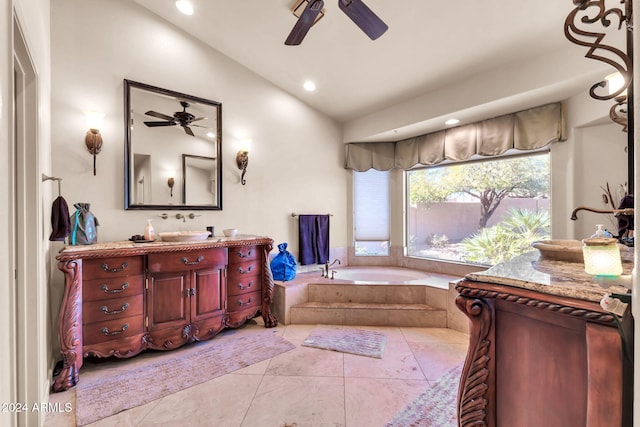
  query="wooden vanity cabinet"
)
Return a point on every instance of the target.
[
  {"x": 112, "y": 305},
  {"x": 536, "y": 359},
  {"x": 122, "y": 298},
  {"x": 185, "y": 296},
  {"x": 244, "y": 284}
]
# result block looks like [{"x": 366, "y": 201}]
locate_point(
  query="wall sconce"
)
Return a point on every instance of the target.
[
  {"x": 170, "y": 182},
  {"x": 93, "y": 139},
  {"x": 242, "y": 160}
]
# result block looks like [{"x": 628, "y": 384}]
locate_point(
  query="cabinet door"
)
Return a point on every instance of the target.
[
  {"x": 168, "y": 300},
  {"x": 208, "y": 296}
]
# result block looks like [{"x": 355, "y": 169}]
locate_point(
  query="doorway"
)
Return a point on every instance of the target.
[{"x": 28, "y": 290}]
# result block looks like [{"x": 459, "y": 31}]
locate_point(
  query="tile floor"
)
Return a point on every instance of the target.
[{"x": 303, "y": 387}]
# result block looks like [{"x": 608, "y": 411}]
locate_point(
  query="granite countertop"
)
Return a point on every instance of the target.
[
  {"x": 567, "y": 279},
  {"x": 128, "y": 245}
]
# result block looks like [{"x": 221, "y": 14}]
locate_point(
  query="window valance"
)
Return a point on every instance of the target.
[{"x": 525, "y": 130}]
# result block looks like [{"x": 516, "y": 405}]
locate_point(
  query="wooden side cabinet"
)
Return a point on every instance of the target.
[
  {"x": 541, "y": 360},
  {"x": 121, "y": 298}
]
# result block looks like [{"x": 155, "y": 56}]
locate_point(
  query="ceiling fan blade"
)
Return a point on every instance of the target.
[
  {"x": 198, "y": 118},
  {"x": 200, "y": 126},
  {"x": 363, "y": 17},
  {"x": 159, "y": 115},
  {"x": 155, "y": 124},
  {"x": 188, "y": 130},
  {"x": 305, "y": 22}
]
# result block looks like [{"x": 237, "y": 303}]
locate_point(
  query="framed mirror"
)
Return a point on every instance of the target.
[{"x": 172, "y": 150}]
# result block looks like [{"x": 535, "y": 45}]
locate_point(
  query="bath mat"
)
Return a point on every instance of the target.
[
  {"x": 169, "y": 372},
  {"x": 436, "y": 407},
  {"x": 353, "y": 341}
]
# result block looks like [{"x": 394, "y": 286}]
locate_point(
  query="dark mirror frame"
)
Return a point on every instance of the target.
[{"x": 128, "y": 196}]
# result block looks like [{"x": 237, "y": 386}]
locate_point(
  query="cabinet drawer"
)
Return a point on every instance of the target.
[
  {"x": 187, "y": 260},
  {"x": 112, "y": 267},
  {"x": 116, "y": 329},
  {"x": 115, "y": 308},
  {"x": 240, "y": 270},
  {"x": 244, "y": 301},
  {"x": 114, "y": 287},
  {"x": 242, "y": 253},
  {"x": 243, "y": 284}
]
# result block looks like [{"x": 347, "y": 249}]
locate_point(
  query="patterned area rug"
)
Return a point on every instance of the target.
[
  {"x": 169, "y": 372},
  {"x": 436, "y": 407},
  {"x": 353, "y": 341}
]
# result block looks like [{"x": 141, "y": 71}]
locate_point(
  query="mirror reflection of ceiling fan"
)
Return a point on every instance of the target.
[
  {"x": 356, "y": 10},
  {"x": 181, "y": 118}
]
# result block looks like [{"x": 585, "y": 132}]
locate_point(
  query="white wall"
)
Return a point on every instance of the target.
[
  {"x": 296, "y": 160},
  {"x": 593, "y": 155}
]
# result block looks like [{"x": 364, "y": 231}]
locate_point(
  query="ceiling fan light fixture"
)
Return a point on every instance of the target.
[
  {"x": 185, "y": 7},
  {"x": 300, "y": 5}
]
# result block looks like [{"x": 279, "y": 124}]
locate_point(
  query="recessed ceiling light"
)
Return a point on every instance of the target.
[
  {"x": 309, "y": 86},
  {"x": 211, "y": 134},
  {"x": 185, "y": 7},
  {"x": 452, "y": 122}
]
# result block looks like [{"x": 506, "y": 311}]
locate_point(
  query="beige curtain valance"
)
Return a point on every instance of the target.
[{"x": 525, "y": 130}]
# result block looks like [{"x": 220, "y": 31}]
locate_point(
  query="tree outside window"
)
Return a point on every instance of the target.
[{"x": 480, "y": 212}]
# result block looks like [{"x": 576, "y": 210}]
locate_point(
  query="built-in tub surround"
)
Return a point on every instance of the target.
[
  {"x": 122, "y": 298},
  {"x": 391, "y": 287}
]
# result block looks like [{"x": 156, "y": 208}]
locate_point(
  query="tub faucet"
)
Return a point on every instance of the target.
[{"x": 327, "y": 266}]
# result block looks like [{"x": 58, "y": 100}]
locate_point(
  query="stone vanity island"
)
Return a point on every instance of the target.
[
  {"x": 121, "y": 298},
  {"x": 542, "y": 351}
]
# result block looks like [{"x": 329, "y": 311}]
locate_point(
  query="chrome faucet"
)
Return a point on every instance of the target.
[{"x": 327, "y": 266}]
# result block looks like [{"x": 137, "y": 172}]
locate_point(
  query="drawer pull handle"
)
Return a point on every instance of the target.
[
  {"x": 107, "y": 333},
  {"x": 248, "y": 270},
  {"x": 242, "y": 304},
  {"x": 105, "y": 310},
  {"x": 242, "y": 288},
  {"x": 247, "y": 255},
  {"x": 106, "y": 268},
  {"x": 198, "y": 260},
  {"x": 106, "y": 289}
]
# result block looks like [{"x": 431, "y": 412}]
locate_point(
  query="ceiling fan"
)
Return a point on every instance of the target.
[
  {"x": 182, "y": 118},
  {"x": 356, "y": 10}
]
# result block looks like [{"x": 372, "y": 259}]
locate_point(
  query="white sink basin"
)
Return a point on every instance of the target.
[
  {"x": 183, "y": 236},
  {"x": 560, "y": 250}
]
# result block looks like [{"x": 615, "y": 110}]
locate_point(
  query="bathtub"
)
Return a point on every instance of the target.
[
  {"x": 373, "y": 275},
  {"x": 362, "y": 284}
]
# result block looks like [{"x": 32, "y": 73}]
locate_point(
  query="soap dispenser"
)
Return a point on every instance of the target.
[
  {"x": 149, "y": 232},
  {"x": 599, "y": 231}
]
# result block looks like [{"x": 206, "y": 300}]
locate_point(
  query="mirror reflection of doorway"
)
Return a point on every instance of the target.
[
  {"x": 199, "y": 179},
  {"x": 142, "y": 178}
]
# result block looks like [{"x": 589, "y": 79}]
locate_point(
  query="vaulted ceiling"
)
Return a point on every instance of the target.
[{"x": 429, "y": 45}]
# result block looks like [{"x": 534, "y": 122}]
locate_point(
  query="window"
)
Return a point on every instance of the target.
[
  {"x": 480, "y": 212},
  {"x": 371, "y": 212}
]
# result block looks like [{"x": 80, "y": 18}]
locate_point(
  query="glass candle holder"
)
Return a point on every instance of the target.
[{"x": 602, "y": 257}]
